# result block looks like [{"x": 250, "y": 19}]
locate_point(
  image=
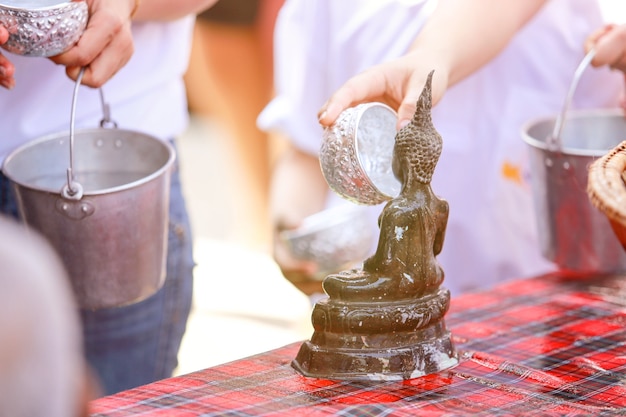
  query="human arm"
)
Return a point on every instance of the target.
[
  {"x": 107, "y": 43},
  {"x": 169, "y": 9},
  {"x": 459, "y": 38},
  {"x": 297, "y": 190}
]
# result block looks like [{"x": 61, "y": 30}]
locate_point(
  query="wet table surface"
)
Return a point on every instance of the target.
[{"x": 550, "y": 345}]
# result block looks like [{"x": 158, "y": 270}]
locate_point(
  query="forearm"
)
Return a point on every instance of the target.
[
  {"x": 298, "y": 188},
  {"x": 459, "y": 38},
  {"x": 169, "y": 9},
  {"x": 463, "y": 35}
]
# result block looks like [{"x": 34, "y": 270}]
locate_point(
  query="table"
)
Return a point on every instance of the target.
[{"x": 548, "y": 345}]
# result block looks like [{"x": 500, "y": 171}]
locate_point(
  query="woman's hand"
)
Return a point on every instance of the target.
[
  {"x": 6, "y": 67},
  {"x": 458, "y": 39},
  {"x": 301, "y": 273},
  {"x": 397, "y": 83},
  {"x": 298, "y": 189},
  {"x": 106, "y": 44},
  {"x": 610, "y": 45}
]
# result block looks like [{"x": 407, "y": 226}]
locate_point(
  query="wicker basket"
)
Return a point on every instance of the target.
[{"x": 606, "y": 187}]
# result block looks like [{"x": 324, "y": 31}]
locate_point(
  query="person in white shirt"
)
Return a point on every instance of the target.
[
  {"x": 138, "y": 53},
  {"x": 517, "y": 62}
]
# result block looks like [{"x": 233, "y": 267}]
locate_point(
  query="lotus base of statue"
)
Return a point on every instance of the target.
[{"x": 382, "y": 341}]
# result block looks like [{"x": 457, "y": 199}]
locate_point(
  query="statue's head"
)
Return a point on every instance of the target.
[{"x": 418, "y": 145}]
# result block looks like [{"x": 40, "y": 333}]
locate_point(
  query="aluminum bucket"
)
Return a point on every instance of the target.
[
  {"x": 112, "y": 236},
  {"x": 573, "y": 233}
]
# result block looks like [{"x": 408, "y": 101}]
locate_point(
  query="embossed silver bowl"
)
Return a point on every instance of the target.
[
  {"x": 42, "y": 28},
  {"x": 336, "y": 238},
  {"x": 357, "y": 151}
]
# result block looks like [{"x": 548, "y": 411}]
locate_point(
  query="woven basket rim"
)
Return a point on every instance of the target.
[{"x": 605, "y": 186}]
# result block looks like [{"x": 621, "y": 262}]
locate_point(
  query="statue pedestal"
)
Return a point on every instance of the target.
[{"x": 378, "y": 341}]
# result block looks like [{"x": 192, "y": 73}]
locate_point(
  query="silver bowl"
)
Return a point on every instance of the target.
[
  {"x": 336, "y": 238},
  {"x": 357, "y": 151},
  {"x": 42, "y": 28}
]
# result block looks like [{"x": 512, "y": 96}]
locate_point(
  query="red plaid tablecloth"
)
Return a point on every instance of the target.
[{"x": 549, "y": 346}]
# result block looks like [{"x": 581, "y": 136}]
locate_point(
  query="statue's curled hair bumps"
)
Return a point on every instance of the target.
[{"x": 419, "y": 142}]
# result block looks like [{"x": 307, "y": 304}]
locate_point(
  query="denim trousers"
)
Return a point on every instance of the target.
[{"x": 138, "y": 344}]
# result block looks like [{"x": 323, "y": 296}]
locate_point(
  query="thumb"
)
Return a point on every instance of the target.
[
  {"x": 4, "y": 35},
  {"x": 414, "y": 91},
  {"x": 406, "y": 111},
  {"x": 408, "y": 106},
  {"x": 609, "y": 47}
]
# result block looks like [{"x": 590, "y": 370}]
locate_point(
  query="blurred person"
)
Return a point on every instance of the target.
[
  {"x": 500, "y": 64},
  {"x": 230, "y": 79},
  {"x": 44, "y": 372},
  {"x": 141, "y": 65}
]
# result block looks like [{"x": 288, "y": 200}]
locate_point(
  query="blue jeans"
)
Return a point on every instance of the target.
[{"x": 137, "y": 344}]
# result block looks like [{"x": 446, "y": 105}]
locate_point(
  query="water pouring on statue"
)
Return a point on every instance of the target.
[
  {"x": 385, "y": 321},
  {"x": 412, "y": 225}
]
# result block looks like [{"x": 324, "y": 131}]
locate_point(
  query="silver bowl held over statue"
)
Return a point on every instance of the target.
[
  {"x": 42, "y": 28},
  {"x": 357, "y": 151}
]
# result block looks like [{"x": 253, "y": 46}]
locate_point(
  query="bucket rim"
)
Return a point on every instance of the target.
[
  {"x": 573, "y": 114},
  {"x": 66, "y": 134}
]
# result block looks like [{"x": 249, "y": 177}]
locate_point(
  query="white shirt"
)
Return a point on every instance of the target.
[
  {"x": 483, "y": 170},
  {"x": 148, "y": 94}
]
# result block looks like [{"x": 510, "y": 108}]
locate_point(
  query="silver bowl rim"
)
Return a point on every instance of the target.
[
  {"x": 63, "y": 139},
  {"x": 367, "y": 182},
  {"x": 60, "y": 5},
  {"x": 319, "y": 221},
  {"x": 358, "y": 152},
  {"x": 610, "y": 113}
]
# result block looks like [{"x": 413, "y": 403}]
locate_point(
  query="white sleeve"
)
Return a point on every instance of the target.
[
  {"x": 300, "y": 69},
  {"x": 319, "y": 45}
]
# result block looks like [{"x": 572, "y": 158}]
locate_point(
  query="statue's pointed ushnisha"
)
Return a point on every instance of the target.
[{"x": 384, "y": 321}]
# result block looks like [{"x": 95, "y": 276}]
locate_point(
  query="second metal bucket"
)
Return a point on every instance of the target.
[
  {"x": 574, "y": 234},
  {"x": 113, "y": 236}
]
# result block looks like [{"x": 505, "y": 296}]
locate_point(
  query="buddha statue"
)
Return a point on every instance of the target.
[
  {"x": 412, "y": 225},
  {"x": 385, "y": 320}
]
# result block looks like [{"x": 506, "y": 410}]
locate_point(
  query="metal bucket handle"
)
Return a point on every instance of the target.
[
  {"x": 554, "y": 142},
  {"x": 73, "y": 190}
]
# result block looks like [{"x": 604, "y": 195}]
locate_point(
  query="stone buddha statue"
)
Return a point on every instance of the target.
[
  {"x": 412, "y": 225},
  {"x": 385, "y": 320}
]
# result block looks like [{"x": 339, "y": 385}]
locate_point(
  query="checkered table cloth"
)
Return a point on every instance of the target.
[{"x": 553, "y": 345}]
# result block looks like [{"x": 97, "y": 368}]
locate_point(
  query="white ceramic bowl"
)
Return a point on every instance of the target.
[
  {"x": 42, "y": 28},
  {"x": 357, "y": 151},
  {"x": 336, "y": 238}
]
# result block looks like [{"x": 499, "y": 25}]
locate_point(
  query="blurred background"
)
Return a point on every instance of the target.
[{"x": 242, "y": 303}]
